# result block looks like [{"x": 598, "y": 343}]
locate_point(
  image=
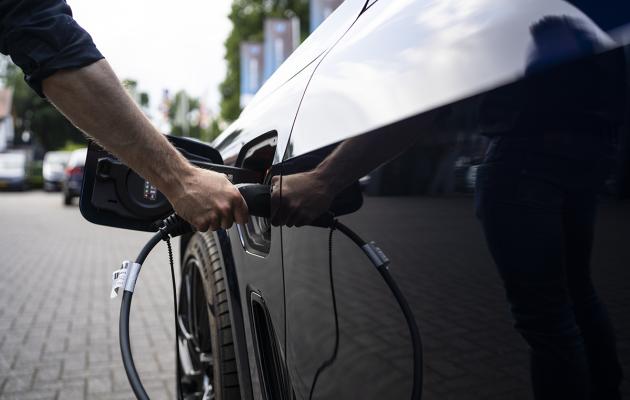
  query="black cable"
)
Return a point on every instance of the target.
[
  {"x": 416, "y": 340},
  {"x": 414, "y": 332},
  {"x": 123, "y": 327},
  {"x": 125, "y": 348},
  {"x": 172, "y": 226},
  {"x": 349, "y": 233},
  {"x": 332, "y": 358},
  {"x": 178, "y": 373},
  {"x": 155, "y": 239}
]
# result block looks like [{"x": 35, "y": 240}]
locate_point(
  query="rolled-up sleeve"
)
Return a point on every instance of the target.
[{"x": 41, "y": 37}]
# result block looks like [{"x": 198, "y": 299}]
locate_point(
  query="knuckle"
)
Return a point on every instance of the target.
[
  {"x": 198, "y": 221},
  {"x": 223, "y": 209},
  {"x": 236, "y": 198}
]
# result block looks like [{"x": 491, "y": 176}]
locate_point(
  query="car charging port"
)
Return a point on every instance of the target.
[{"x": 115, "y": 195}]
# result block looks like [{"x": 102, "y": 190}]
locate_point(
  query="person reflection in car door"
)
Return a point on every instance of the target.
[{"x": 552, "y": 147}]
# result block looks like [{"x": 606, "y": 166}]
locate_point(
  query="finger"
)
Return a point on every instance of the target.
[
  {"x": 275, "y": 182},
  {"x": 278, "y": 211},
  {"x": 293, "y": 217},
  {"x": 227, "y": 221},
  {"x": 307, "y": 218},
  {"x": 202, "y": 225},
  {"x": 275, "y": 186},
  {"x": 241, "y": 213},
  {"x": 214, "y": 221},
  {"x": 301, "y": 221}
]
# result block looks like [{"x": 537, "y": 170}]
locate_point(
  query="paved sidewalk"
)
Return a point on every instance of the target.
[{"x": 58, "y": 327}]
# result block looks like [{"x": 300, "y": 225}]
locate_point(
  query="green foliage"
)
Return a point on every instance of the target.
[
  {"x": 144, "y": 99},
  {"x": 71, "y": 146},
  {"x": 247, "y": 18},
  {"x": 141, "y": 98},
  {"x": 130, "y": 84},
  {"x": 214, "y": 130},
  {"x": 35, "y": 177},
  {"x": 182, "y": 121},
  {"x": 37, "y": 115}
]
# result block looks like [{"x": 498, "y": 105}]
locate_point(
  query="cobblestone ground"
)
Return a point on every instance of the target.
[{"x": 58, "y": 326}]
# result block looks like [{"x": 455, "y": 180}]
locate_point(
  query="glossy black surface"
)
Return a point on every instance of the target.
[{"x": 413, "y": 93}]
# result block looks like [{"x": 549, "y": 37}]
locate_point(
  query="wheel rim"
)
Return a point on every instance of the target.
[{"x": 195, "y": 312}]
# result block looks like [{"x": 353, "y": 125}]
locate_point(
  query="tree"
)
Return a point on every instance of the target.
[
  {"x": 142, "y": 98},
  {"x": 247, "y": 18},
  {"x": 185, "y": 118},
  {"x": 36, "y": 115}
]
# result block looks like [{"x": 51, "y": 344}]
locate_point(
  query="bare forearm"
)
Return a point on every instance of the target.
[
  {"x": 93, "y": 99},
  {"x": 358, "y": 156}
]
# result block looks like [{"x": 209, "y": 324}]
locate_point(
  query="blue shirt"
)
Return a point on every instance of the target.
[{"x": 42, "y": 38}]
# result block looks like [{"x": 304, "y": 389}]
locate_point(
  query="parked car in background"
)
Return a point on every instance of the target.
[
  {"x": 73, "y": 176},
  {"x": 13, "y": 170},
  {"x": 53, "y": 169}
]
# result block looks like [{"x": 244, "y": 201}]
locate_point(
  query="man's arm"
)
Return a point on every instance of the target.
[
  {"x": 307, "y": 195},
  {"x": 93, "y": 99}
]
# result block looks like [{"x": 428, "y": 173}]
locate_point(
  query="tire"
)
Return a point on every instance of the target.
[{"x": 204, "y": 332}]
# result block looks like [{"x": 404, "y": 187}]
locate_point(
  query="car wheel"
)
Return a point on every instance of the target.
[{"x": 206, "y": 345}]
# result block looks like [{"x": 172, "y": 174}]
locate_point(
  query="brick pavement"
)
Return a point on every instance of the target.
[{"x": 58, "y": 327}]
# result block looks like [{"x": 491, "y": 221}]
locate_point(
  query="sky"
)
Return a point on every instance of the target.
[{"x": 162, "y": 44}]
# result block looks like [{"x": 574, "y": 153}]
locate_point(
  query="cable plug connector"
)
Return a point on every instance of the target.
[{"x": 173, "y": 226}]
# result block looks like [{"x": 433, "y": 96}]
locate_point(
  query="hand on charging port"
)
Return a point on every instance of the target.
[
  {"x": 208, "y": 200},
  {"x": 305, "y": 197}
]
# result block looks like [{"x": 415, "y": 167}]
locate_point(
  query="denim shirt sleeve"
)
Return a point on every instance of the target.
[{"x": 42, "y": 38}]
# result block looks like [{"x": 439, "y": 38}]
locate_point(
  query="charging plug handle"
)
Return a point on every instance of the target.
[{"x": 258, "y": 199}]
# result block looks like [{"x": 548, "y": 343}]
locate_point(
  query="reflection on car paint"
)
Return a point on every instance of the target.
[{"x": 563, "y": 118}]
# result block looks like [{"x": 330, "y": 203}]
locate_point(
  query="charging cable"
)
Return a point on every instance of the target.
[
  {"x": 258, "y": 200},
  {"x": 126, "y": 278},
  {"x": 381, "y": 262}
]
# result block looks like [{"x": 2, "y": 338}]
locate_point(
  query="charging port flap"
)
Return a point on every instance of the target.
[
  {"x": 113, "y": 194},
  {"x": 258, "y": 155}
]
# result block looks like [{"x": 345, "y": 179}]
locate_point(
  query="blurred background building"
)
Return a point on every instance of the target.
[
  {"x": 281, "y": 37},
  {"x": 259, "y": 59},
  {"x": 251, "y": 70},
  {"x": 320, "y": 10}
]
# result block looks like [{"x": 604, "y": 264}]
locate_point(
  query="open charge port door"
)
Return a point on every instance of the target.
[
  {"x": 258, "y": 155},
  {"x": 114, "y": 195}
]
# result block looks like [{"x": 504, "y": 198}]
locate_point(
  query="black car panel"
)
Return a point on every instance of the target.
[
  {"x": 417, "y": 92},
  {"x": 418, "y": 206},
  {"x": 260, "y": 269},
  {"x": 401, "y": 59}
]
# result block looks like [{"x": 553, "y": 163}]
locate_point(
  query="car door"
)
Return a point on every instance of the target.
[
  {"x": 257, "y": 140},
  {"x": 400, "y": 96}
]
